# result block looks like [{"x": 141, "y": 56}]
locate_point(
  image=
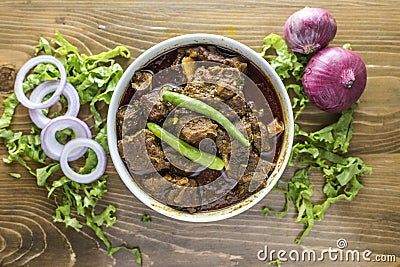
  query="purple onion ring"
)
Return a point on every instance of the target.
[
  {"x": 46, "y": 88},
  {"x": 52, "y": 148},
  {"x": 19, "y": 80},
  {"x": 72, "y": 146}
]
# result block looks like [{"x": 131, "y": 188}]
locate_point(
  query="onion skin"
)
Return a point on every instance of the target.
[
  {"x": 334, "y": 79},
  {"x": 309, "y": 30}
]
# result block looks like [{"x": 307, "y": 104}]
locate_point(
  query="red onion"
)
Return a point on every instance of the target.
[
  {"x": 51, "y": 147},
  {"x": 72, "y": 146},
  {"x": 309, "y": 30},
  {"x": 19, "y": 80},
  {"x": 334, "y": 79},
  {"x": 44, "y": 89}
]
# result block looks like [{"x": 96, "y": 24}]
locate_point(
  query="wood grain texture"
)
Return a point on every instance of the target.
[{"x": 28, "y": 237}]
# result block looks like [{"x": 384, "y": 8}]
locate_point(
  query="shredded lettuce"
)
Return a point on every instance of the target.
[
  {"x": 276, "y": 262},
  {"x": 15, "y": 175},
  {"x": 94, "y": 77},
  {"x": 289, "y": 66},
  {"x": 323, "y": 150},
  {"x": 21, "y": 146},
  {"x": 285, "y": 63},
  {"x": 146, "y": 218},
  {"x": 9, "y": 106}
]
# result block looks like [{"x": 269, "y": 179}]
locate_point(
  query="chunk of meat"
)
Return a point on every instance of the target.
[
  {"x": 157, "y": 184},
  {"x": 142, "y": 151},
  {"x": 190, "y": 126},
  {"x": 177, "y": 119},
  {"x": 129, "y": 119},
  {"x": 177, "y": 191},
  {"x": 200, "y": 90},
  {"x": 180, "y": 165},
  {"x": 275, "y": 127},
  {"x": 239, "y": 105},
  {"x": 207, "y": 176},
  {"x": 245, "y": 128},
  {"x": 184, "y": 193},
  {"x": 155, "y": 151},
  {"x": 223, "y": 144},
  {"x": 254, "y": 130},
  {"x": 259, "y": 173},
  {"x": 177, "y": 180},
  {"x": 256, "y": 172},
  {"x": 198, "y": 129},
  {"x": 188, "y": 67},
  {"x": 211, "y": 54},
  {"x": 252, "y": 163},
  {"x": 141, "y": 80},
  {"x": 224, "y": 92},
  {"x": 229, "y": 80},
  {"x": 157, "y": 109},
  {"x": 262, "y": 139}
]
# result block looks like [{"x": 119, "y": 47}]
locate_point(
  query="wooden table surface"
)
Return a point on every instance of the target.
[{"x": 28, "y": 236}]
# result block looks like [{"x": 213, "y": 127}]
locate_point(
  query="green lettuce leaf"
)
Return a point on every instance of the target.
[
  {"x": 286, "y": 63},
  {"x": 337, "y": 136}
]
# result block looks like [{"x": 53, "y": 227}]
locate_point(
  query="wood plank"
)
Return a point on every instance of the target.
[{"x": 28, "y": 235}]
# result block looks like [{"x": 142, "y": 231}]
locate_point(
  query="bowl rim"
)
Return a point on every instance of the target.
[{"x": 262, "y": 64}]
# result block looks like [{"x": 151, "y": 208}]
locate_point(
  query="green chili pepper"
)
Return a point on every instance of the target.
[
  {"x": 202, "y": 108},
  {"x": 188, "y": 151}
]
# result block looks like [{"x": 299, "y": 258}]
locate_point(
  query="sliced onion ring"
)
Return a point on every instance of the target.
[
  {"x": 19, "y": 91},
  {"x": 52, "y": 148},
  {"x": 72, "y": 146},
  {"x": 46, "y": 88}
]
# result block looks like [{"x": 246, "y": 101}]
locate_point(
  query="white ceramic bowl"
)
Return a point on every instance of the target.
[{"x": 251, "y": 55}]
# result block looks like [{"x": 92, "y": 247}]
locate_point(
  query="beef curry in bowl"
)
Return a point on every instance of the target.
[{"x": 200, "y": 127}]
